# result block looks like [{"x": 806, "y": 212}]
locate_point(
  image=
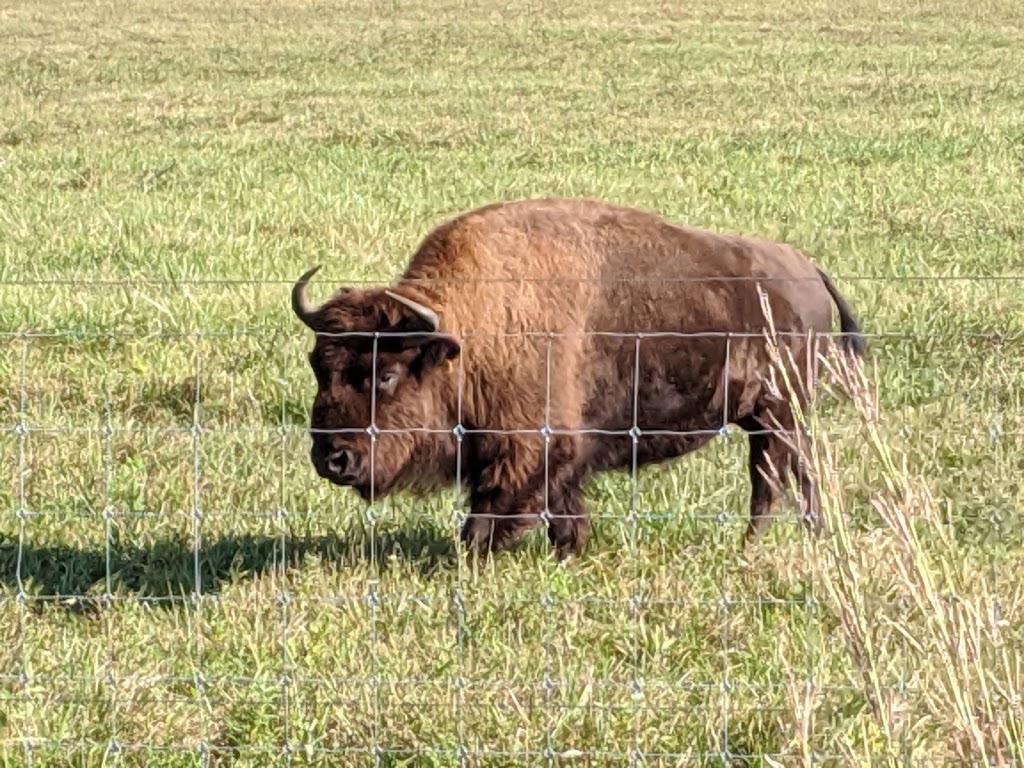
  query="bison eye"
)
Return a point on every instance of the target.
[{"x": 388, "y": 381}]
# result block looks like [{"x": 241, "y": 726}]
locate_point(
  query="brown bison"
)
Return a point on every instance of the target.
[{"x": 531, "y": 343}]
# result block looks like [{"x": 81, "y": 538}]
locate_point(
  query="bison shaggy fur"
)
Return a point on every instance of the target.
[{"x": 531, "y": 343}]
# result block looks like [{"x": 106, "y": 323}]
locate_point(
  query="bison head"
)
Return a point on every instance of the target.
[{"x": 384, "y": 385}]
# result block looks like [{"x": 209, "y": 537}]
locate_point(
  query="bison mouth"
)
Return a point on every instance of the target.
[
  {"x": 368, "y": 492},
  {"x": 348, "y": 469},
  {"x": 341, "y": 467},
  {"x": 365, "y": 490}
]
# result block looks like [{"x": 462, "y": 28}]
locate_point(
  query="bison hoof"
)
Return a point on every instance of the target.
[
  {"x": 567, "y": 544},
  {"x": 813, "y": 524},
  {"x": 566, "y": 553},
  {"x": 480, "y": 535}
]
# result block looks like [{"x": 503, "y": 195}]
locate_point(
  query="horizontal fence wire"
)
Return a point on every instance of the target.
[
  {"x": 995, "y": 336},
  {"x": 458, "y": 754},
  {"x": 129, "y": 282},
  {"x": 722, "y": 692}
]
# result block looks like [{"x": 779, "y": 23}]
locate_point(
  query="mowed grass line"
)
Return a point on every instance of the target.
[{"x": 177, "y": 588}]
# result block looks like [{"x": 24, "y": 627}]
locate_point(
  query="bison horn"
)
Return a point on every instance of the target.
[
  {"x": 425, "y": 313},
  {"x": 305, "y": 311}
]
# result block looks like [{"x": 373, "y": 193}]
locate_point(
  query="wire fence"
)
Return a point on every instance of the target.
[{"x": 303, "y": 626}]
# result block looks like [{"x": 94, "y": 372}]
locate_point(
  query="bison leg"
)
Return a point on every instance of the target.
[
  {"x": 500, "y": 511},
  {"x": 772, "y": 462},
  {"x": 762, "y": 487},
  {"x": 810, "y": 507},
  {"x": 568, "y": 524},
  {"x": 496, "y": 518}
]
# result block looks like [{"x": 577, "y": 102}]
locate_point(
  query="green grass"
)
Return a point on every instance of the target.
[{"x": 167, "y": 169}]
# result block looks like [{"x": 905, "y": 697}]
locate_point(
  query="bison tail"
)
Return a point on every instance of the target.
[{"x": 853, "y": 337}]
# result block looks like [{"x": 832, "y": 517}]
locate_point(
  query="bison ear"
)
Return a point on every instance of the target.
[
  {"x": 434, "y": 350},
  {"x": 415, "y": 316}
]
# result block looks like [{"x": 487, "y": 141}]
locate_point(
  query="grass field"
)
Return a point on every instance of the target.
[{"x": 178, "y": 588}]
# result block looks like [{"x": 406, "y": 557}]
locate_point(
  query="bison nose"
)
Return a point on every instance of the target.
[{"x": 342, "y": 464}]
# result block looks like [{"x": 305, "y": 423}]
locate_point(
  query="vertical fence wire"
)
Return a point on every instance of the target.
[
  {"x": 374, "y": 580},
  {"x": 22, "y": 433},
  {"x": 803, "y": 692},
  {"x": 996, "y": 430},
  {"x": 636, "y": 692},
  {"x": 288, "y": 680},
  {"x": 724, "y": 596},
  {"x": 197, "y": 509},
  {"x": 458, "y": 604},
  {"x": 113, "y": 748},
  {"x": 545, "y": 597},
  {"x": 903, "y": 684},
  {"x": 196, "y": 620},
  {"x": 107, "y": 432}
]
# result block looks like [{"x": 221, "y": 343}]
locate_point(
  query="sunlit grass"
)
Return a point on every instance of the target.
[{"x": 177, "y": 588}]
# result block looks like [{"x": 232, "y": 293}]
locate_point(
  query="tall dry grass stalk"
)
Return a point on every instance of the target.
[{"x": 925, "y": 628}]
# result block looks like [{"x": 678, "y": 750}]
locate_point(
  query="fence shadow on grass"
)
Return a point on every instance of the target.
[{"x": 165, "y": 571}]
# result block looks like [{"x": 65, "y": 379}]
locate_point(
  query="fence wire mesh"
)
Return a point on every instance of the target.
[{"x": 178, "y": 587}]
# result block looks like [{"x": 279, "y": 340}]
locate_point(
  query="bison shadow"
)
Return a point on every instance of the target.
[{"x": 166, "y": 571}]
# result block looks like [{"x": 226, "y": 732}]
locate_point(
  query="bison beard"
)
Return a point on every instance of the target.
[{"x": 566, "y": 337}]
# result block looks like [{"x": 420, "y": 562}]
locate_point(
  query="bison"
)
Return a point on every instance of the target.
[{"x": 530, "y": 343}]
